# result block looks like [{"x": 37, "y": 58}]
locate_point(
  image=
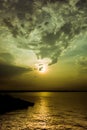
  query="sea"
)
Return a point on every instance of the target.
[{"x": 51, "y": 111}]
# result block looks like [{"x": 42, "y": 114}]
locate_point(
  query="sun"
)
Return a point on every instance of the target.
[
  {"x": 42, "y": 65},
  {"x": 42, "y": 68}
]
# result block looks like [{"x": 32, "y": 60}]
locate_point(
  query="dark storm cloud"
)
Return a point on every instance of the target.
[
  {"x": 8, "y": 76},
  {"x": 8, "y": 71},
  {"x": 45, "y": 26}
]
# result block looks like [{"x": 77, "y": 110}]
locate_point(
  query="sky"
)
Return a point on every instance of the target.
[{"x": 43, "y": 45}]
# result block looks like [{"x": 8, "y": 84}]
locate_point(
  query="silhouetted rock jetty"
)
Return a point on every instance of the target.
[{"x": 9, "y": 103}]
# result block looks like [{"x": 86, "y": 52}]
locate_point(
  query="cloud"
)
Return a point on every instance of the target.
[
  {"x": 9, "y": 76},
  {"x": 46, "y": 27},
  {"x": 82, "y": 62},
  {"x": 9, "y": 71},
  {"x": 6, "y": 57}
]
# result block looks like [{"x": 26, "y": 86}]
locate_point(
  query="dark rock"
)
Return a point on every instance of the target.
[{"x": 9, "y": 103}]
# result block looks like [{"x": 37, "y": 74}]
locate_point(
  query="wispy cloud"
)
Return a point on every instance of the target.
[{"x": 82, "y": 63}]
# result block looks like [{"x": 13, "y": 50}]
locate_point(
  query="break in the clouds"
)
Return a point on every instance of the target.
[{"x": 47, "y": 27}]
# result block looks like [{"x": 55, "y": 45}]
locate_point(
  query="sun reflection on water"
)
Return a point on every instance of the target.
[{"x": 40, "y": 113}]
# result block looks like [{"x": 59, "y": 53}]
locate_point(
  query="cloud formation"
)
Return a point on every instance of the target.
[
  {"x": 8, "y": 71},
  {"x": 6, "y": 58},
  {"x": 47, "y": 27},
  {"x": 82, "y": 62}
]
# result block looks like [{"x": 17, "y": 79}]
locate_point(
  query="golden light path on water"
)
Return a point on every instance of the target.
[{"x": 43, "y": 115}]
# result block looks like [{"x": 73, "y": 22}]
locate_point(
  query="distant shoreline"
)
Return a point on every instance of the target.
[{"x": 17, "y": 91}]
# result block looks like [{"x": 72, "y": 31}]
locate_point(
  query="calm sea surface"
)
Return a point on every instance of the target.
[{"x": 52, "y": 111}]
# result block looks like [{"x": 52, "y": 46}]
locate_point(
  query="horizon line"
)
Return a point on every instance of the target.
[{"x": 42, "y": 91}]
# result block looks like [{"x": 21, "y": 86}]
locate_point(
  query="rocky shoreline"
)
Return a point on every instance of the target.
[{"x": 9, "y": 103}]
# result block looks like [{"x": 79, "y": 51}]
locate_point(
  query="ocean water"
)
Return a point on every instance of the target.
[{"x": 52, "y": 111}]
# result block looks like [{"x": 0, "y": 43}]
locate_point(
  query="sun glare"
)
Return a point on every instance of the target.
[
  {"x": 42, "y": 65},
  {"x": 42, "y": 68}
]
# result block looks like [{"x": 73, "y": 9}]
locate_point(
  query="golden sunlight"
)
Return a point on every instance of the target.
[
  {"x": 42, "y": 68},
  {"x": 42, "y": 65}
]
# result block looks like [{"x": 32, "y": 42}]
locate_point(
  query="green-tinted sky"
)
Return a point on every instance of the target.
[{"x": 39, "y": 34}]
